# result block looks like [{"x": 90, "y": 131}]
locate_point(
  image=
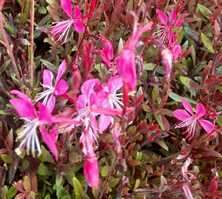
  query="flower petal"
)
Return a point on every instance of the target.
[
  {"x": 187, "y": 106},
  {"x": 50, "y": 140},
  {"x": 67, "y": 6},
  {"x": 207, "y": 125},
  {"x": 79, "y": 25},
  {"x": 61, "y": 87},
  {"x": 88, "y": 86},
  {"x": 114, "y": 84},
  {"x": 21, "y": 95},
  {"x": 127, "y": 68},
  {"x": 47, "y": 78},
  {"x": 78, "y": 20},
  {"x": 181, "y": 114},
  {"x": 91, "y": 171},
  {"x": 44, "y": 114},
  {"x": 200, "y": 110},
  {"x": 61, "y": 71},
  {"x": 163, "y": 18},
  {"x": 24, "y": 108},
  {"x": 51, "y": 103},
  {"x": 104, "y": 122}
]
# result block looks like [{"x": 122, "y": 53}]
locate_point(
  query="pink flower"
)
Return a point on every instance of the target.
[
  {"x": 59, "y": 87},
  {"x": 34, "y": 119},
  {"x": 167, "y": 25},
  {"x": 91, "y": 106},
  {"x": 190, "y": 119},
  {"x": 60, "y": 30},
  {"x": 91, "y": 171},
  {"x": 126, "y": 61}
]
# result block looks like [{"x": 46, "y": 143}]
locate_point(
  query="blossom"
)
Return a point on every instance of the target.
[
  {"x": 166, "y": 36},
  {"x": 168, "y": 22},
  {"x": 191, "y": 118},
  {"x": 60, "y": 30},
  {"x": 34, "y": 119},
  {"x": 95, "y": 102},
  {"x": 126, "y": 60},
  {"x": 59, "y": 87}
]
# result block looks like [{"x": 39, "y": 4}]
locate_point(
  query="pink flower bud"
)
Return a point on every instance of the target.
[
  {"x": 91, "y": 171},
  {"x": 167, "y": 61}
]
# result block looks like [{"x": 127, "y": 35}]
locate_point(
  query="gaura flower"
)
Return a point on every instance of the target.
[
  {"x": 191, "y": 118},
  {"x": 60, "y": 30},
  {"x": 90, "y": 107},
  {"x": 34, "y": 119},
  {"x": 168, "y": 22},
  {"x": 52, "y": 90},
  {"x": 126, "y": 61},
  {"x": 89, "y": 135}
]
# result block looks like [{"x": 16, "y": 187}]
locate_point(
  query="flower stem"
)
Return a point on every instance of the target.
[{"x": 31, "y": 50}]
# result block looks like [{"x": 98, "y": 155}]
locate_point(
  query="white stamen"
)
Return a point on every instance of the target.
[{"x": 29, "y": 139}]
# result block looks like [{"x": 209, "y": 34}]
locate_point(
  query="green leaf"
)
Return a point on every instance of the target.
[
  {"x": 203, "y": 10},
  {"x": 43, "y": 170},
  {"x": 149, "y": 66},
  {"x": 207, "y": 43},
  {"x": 78, "y": 190},
  {"x": 162, "y": 144},
  {"x": 6, "y": 158},
  {"x": 104, "y": 171},
  {"x": 11, "y": 193},
  {"x": 178, "y": 98}
]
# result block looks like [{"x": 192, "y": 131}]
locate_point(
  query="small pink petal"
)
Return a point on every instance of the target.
[
  {"x": 187, "y": 106},
  {"x": 61, "y": 71},
  {"x": 67, "y": 6},
  {"x": 21, "y": 95},
  {"x": 91, "y": 171},
  {"x": 51, "y": 103},
  {"x": 115, "y": 83},
  {"x": 181, "y": 114},
  {"x": 77, "y": 12},
  {"x": 126, "y": 67},
  {"x": 104, "y": 122},
  {"x": 162, "y": 17},
  {"x": 88, "y": 86},
  {"x": 177, "y": 51},
  {"x": 61, "y": 87},
  {"x": 44, "y": 114},
  {"x": 79, "y": 25},
  {"x": 207, "y": 125},
  {"x": 50, "y": 140},
  {"x": 200, "y": 110},
  {"x": 47, "y": 78},
  {"x": 24, "y": 108},
  {"x": 81, "y": 102}
]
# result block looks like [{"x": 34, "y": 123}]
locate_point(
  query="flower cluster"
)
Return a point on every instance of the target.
[{"x": 99, "y": 104}]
